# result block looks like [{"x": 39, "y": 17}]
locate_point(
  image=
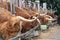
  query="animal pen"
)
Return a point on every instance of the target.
[
  {"x": 11, "y": 5},
  {"x": 16, "y": 6}
]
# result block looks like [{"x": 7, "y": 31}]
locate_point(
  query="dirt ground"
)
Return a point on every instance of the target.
[{"x": 52, "y": 34}]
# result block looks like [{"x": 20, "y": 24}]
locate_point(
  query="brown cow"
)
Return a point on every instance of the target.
[
  {"x": 10, "y": 24},
  {"x": 26, "y": 26},
  {"x": 22, "y": 12},
  {"x": 4, "y": 5}
]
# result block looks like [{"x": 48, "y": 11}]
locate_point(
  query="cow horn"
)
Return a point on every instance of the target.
[
  {"x": 28, "y": 20},
  {"x": 49, "y": 16},
  {"x": 50, "y": 19}
]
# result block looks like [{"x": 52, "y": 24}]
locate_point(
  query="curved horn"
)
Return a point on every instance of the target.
[
  {"x": 42, "y": 14},
  {"x": 38, "y": 21},
  {"x": 46, "y": 15},
  {"x": 49, "y": 16},
  {"x": 23, "y": 19},
  {"x": 50, "y": 19}
]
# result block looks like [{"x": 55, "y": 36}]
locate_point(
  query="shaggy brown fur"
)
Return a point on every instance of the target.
[
  {"x": 43, "y": 20},
  {"x": 26, "y": 26},
  {"x": 22, "y": 12},
  {"x": 9, "y": 24},
  {"x": 4, "y": 5},
  {"x": 52, "y": 15}
]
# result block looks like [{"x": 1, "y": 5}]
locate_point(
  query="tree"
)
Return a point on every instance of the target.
[{"x": 52, "y": 4}]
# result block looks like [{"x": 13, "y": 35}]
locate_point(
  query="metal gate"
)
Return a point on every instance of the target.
[{"x": 20, "y": 3}]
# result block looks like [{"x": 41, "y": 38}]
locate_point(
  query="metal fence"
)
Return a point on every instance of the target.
[{"x": 21, "y": 4}]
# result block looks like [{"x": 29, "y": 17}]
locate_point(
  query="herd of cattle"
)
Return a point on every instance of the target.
[{"x": 23, "y": 20}]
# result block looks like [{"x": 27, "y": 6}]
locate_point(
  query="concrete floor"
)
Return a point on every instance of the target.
[{"x": 52, "y": 34}]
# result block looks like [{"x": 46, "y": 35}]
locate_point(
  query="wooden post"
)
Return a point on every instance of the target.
[
  {"x": 12, "y": 6},
  {"x": 34, "y": 5},
  {"x": 11, "y": 3},
  {"x": 6, "y": 4},
  {"x": 44, "y": 7},
  {"x": 16, "y": 2},
  {"x": 2, "y": 3},
  {"x": 29, "y": 2},
  {"x": 23, "y": 4},
  {"x": 38, "y": 4},
  {"x": 20, "y": 3}
]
